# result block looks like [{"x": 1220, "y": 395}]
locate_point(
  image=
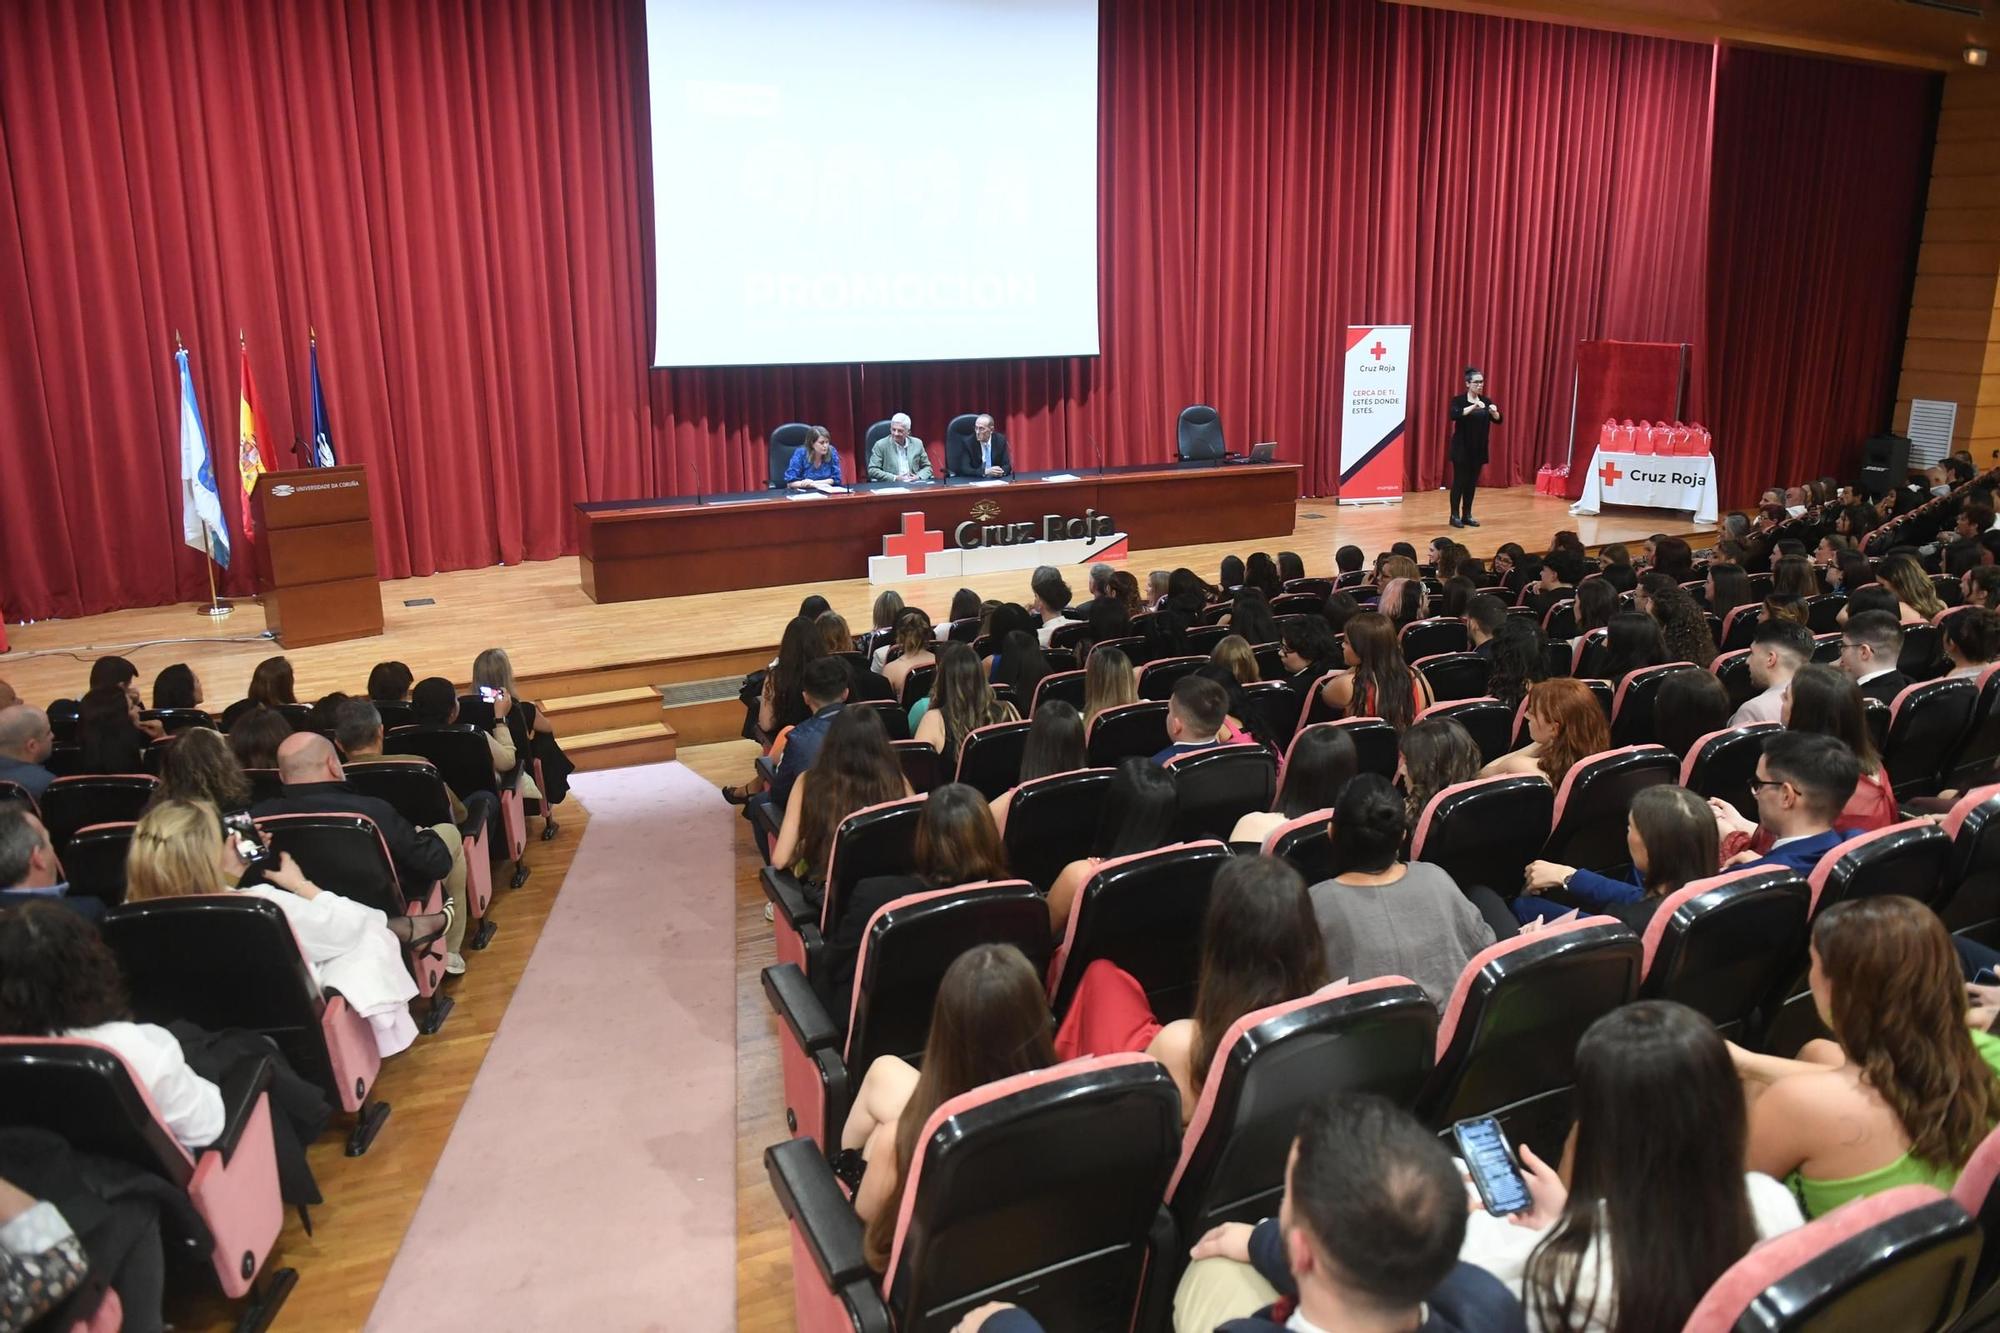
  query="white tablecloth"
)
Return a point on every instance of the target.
[{"x": 1656, "y": 481}]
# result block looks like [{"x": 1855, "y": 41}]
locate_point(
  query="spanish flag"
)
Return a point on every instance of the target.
[{"x": 252, "y": 460}]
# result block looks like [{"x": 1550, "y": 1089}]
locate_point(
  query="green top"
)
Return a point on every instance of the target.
[{"x": 1819, "y": 1197}]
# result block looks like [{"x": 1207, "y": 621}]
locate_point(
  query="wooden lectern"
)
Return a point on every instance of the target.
[{"x": 315, "y": 548}]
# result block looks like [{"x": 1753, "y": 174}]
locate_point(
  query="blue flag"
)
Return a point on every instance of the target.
[
  {"x": 202, "y": 526},
  {"x": 322, "y": 445}
]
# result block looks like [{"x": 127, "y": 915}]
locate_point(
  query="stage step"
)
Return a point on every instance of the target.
[
  {"x": 621, "y": 747},
  {"x": 606, "y": 710}
]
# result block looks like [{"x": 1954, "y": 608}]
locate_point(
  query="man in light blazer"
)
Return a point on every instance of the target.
[
  {"x": 899, "y": 455},
  {"x": 984, "y": 455}
]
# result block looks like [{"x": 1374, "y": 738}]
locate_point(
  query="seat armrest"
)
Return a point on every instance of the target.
[
  {"x": 793, "y": 999},
  {"x": 788, "y": 896},
  {"x": 819, "y": 1208},
  {"x": 767, "y": 769},
  {"x": 240, "y": 1092}
]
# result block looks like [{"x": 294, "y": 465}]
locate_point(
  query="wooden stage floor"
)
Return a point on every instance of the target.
[{"x": 539, "y": 613}]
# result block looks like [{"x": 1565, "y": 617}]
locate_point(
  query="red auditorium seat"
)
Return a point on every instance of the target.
[{"x": 1727, "y": 945}]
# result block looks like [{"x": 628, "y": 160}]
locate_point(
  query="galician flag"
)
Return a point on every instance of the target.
[
  {"x": 201, "y": 505},
  {"x": 251, "y": 459},
  {"x": 322, "y": 443}
]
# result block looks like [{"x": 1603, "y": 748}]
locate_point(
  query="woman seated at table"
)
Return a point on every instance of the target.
[{"x": 815, "y": 464}]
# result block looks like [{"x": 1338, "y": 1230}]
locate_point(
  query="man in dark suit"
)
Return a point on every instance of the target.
[
  {"x": 1869, "y": 646},
  {"x": 984, "y": 455},
  {"x": 1484, "y": 615},
  {"x": 1195, "y": 716},
  {"x": 1803, "y": 782},
  {"x": 1369, "y": 1230}
]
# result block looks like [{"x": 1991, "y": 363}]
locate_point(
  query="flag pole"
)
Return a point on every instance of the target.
[{"x": 216, "y": 608}]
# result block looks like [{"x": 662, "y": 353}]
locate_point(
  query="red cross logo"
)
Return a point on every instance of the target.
[
  {"x": 1610, "y": 473},
  {"x": 1377, "y": 350},
  {"x": 913, "y": 543}
]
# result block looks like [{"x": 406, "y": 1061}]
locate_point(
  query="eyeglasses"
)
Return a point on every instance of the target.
[{"x": 1758, "y": 783}]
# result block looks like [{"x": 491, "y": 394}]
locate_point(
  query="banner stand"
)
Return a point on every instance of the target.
[{"x": 1374, "y": 412}]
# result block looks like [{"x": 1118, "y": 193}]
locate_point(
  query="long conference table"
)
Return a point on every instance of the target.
[{"x": 638, "y": 549}]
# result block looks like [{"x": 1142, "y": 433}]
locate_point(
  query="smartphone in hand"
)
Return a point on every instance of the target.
[
  {"x": 1483, "y": 1146},
  {"x": 242, "y": 833}
]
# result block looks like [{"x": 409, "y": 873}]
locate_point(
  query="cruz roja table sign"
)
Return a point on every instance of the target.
[{"x": 981, "y": 545}]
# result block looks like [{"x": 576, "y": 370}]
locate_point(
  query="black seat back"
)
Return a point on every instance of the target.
[
  {"x": 342, "y": 853},
  {"x": 1276, "y": 707},
  {"x": 1728, "y": 944},
  {"x": 1971, "y": 905},
  {"x": 94, "y": 861},
  {"x": 1927, "y": 726},
  {"x": 1128, "y": 731},
  {"x": 1068, "y": 686},
  {"x": 84, "y": 1093},
  {"x": 917, "y": 685},
  {"x": 1159, "y": 677},
  {"x": 1377, "y": 747},
  {"x": 1907, "y": 858},
  {"x": 1733, "y": 670},
  {"x": 1144, "y": 913},
  {"x": 1723, "y": 763},
  {"x": 1595, "y": 796},
  {"x": 785, "y": 441},
  {"x": 919, "y": 762},
  {"x": 1052, "y": 821},
  {"x": 990, "y": 758},
  {"x": 1979, "y": 756},
  {"x": 78, "y": 802},
  {"x": 1923, "y": 652},
  {"x": 1434, "y": 637},
  {"x": 880, "y": 840},
  {"x": 1489, "y": 722},
  {"x": 177, "y": 720},
  {"x": 894, "y": 717},
  {"x": 1454, "y": 676},
  {"x": 417, "y": 791},
  {"x": 1215, "y": 788},
  {"x": 1632, "y": 705},
  {"x": 1306, "y": 844},
  {"x": 1486, "y": 831},
  {"x": 458, "y": 751},
  {"x": 1200, "y": 434}
]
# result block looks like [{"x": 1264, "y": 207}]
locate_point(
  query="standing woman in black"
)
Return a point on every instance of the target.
[{"x": 1472, "y": 415}]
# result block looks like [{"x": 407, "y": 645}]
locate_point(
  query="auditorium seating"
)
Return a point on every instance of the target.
[
  {"x": 1376, "y": 743},
  {"x": 1823, "y": 612},
  {"x": 418, "y": 793},
  {"x": 1974, "y": 1192},
  {"x": 1454, "y": 676},
  {"x": 1306, "y": 843},
  {"x": 989, "y": 1213},
  {"x": 829, "y": 1038},
  {"x": 1907, "y": 858},
  {"x": 1733, "y": 670},
  {"x": 989, "y": 759},
  {"x": 875, "y": 840},
  {"x": 1979, "y": 755},
  {"x": 1600, "y": 690},
  {"x": 1277, "y": 706},
  {"x": 1434, "y": 637},
  {"x": 1902, "y": 1259},
  {"x": 1632, "y": 702},
  {"x": 785, "y": 441},
  {"x": 94, "y": 861},
  {"x": 1068, "y": 686},
  {"x": 1927, "y": 725},
  {"x": 1559, "y": 621},
  {"x": 1144, "y": 913},
  {"x": 224, "y": 961},
  {"x": 919, "y": 762},
  {"x": 1052, "y": 821},
  {"x": 85, "y": 1093},
  {"x": 1487, "y": 830},
  {"x": 1507, "y": 1043},
  {"x": 1128, "y": 731},
  {"x": 1740, "y": 626},
  {"x": 462, "y": 758},
  {"x": 1489, "y": 722},
  {"x": 1158, "y": 678},
  {"x": 73, "y": 803},
  {"x": 1723, "y": 763},
  {"x": 1589, "y": 821},
  {"x": 1217, "y": 787},
  {"x": 1922, "y": 656},
  {"x": 1374, "y": 1036},
  {"x": 1972, "y": 871},
  {"x": 177, "y": 720},
  {"x": 1727, "y": 944}
]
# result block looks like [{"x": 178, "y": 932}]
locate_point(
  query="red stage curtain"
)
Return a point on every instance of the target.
[
  {"x": 457, "y": 195},
  {"x": 1818, "y": 195}
]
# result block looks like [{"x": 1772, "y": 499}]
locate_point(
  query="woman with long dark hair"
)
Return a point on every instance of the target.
[
  {"x": 1231, "y": 574},
  {"x": 1793, "y": 574},
  {"x": 1632, "y": 641},
  {"x": 1905, "y": 1090},
  {"x": 1672, "y": 559},
  {"x": 1260, "y": 946},
  {"x": 1377, "y": 682},
  {"x": 1261, "y": 572},
  {"x": 1728, "y": 588},
  {"x": 1138, "y": 816},
  {"x": 1432, "y": 755},
  {"x": 1565, "y": 724},
  {"x": 1683, "y": 628},
  {"x": 784, "y": 703},
  {"x": 1672, "y": 837},
  {"x": 854, "y": 769},
  {"x": 272, "y": 683},
  {"x": 255, "y": 737},
  {"x": 1652, "y": 1203},
  {"x": 109, "y": 733},
  {"x": 1688, "y": 706},
  {"x": 1020, "y": 664},
  {"x": 1321, "y": 762},
  {"x": 199, "y": 766},
  {"x": 1596, "y": 603},
  {"x": 1108, "y": 682},
  {"x": 1520, "y": 658},
  {"x": 177, "y": 687},
  {"x": 1850, "y": 572},
  {"x": 1055, "y": 745},
  {"x": 961, "y": 702},
  {"x": 1251, "y": 616}
]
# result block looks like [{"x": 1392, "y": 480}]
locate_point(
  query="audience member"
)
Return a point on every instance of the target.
[
  {"x": 272, "y": 684},
  {"x": 1822, "y": 702},
  {"x": 1107, "y": 683},
  {"x": 990, "y": 1021},
  {"x": 1596, "y": 603},
  {"x": 1055, "y": 744},
  {"x": 1340, "y": 608},
  {"x": 1870, "y": 643},
  {"x": 837, "y": 642},
  {"x": 324, "y": 710},
  {"x": 1671, "y": 834},
  {"x": 1229, "y": 575},
  {"x": 1244, "y": 720},
  {"x": 1251, "y": 617},
  {"x": 1317, "y": 769},
  {"x": 116, "y": 673},
  {"x": 1617, "y": 568},
  {"x": 108, "y": 733},
  {"x": 1156, "y": 589},
  {"x": 1108, "y": 619},
  {"x": 359, "y": 734},
  {"x": 956, "y": 843},
  {"x": 546, "y": 769},
  {"x": 1794, "y": 575},
  {"x": 1971, "y": 642},
  {"x": 1520, "y": 660},
  {"x": 1632, "y": 641},
  {"x": 25, "y": 743},
  {"x": 1905, "y": 1090},
  {"x": 1484, "y": 614},
  {"x": 389, "y": 682},
  {"x": 1916, "y": 596},
  {"x": 1196, "y": 715},
  {"x": 434, "y": 703},
  {"x": 1683, "y": 628},
  {"x": 1382, "y": 916},
  {"x": 1982, "y": 587},
  {"x": 1234, "y": 651},
  {"x": 1433, "y": 754},
  {"x": 255, "y": 736},
  {"x": 1403, "y": 601},
  {"x": 1377, "y": 682},
  {"x": 1138, "y": 816},
  {"x": 1777, "y": 651},
  {"x": 1020, "y": 664},
  {"x": 1290, "y": 566},
  {"x": 1802, "y": 782},
  {"x": 854, "y": 769},
  {"x": 1347, "y": 560},
  {"x": 1672, "y": 560},
  {"x": 1051, "y": 599},
  {"x": 29, "y": 869},
  {"x": 1308, "y": 649},
  {"x": 63, "y": 982},
  {"x": 1261, "y": 572},
  {"x": 1565, "y": 724},
  {"x": 912, "y": 642},
  {"x": 961, "y": 701},
  {"x": 783, "y": 702},
  {"x": 1651, "y": 1204},
  {"x": 1688, "y": 706},
  {"x": 1260, "y": 946},
  {"x": 177, "y": 687},
  {"x": 1728, "y": 587},
  {"x": 180, "y": 850},
  {"x": 825, "y": 686},
  {"x": 199, "y": 766}
]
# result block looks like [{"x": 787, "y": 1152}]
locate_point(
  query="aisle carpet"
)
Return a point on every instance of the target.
[{"x": 590, "y": 1179}]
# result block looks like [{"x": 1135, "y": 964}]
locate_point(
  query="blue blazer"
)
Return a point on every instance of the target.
[
  {"x": 1803, "y": 855},
  {"x": 800, "y": 469}
]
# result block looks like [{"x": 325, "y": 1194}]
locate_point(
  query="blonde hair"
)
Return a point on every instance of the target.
[
  {"x": 1234, "y": 652},
  {"x": 1107, "y": 683},
  {"x": 174, "y": 852},
  {"x": 1398, "y": 567},
  {"x": 493, "y": 670}
]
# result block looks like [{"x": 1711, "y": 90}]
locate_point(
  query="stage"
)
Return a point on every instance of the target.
[{"x": 601, "y": 668}]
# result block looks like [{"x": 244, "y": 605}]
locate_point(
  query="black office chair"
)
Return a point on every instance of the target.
[
  {"x": 958, "y": 432},
  {"x": 879, "y": 430},
  {"x": 786, "y": 440},
  {"x": 1200, "y": 434}
]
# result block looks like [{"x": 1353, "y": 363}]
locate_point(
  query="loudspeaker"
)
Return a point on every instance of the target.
[{"x": 1885, "y": 459}]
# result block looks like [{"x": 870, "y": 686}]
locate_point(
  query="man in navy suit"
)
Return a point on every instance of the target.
[
  {"x": 984, "y": 455},
  {"x": 1367, "y": 1236},
  {"x": 1803, "y": 782}
]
